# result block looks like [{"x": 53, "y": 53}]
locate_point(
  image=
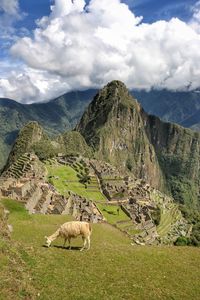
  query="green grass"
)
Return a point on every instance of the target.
[
  {"x": 14, "y": 267},
  {"x": 66, "y": 173},
  {"x": 128, "y": 227},
  {"x": 110, "y": 213},
  {"x": 112, "y": 269}
]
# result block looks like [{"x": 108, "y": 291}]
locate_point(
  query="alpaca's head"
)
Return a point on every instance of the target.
[{"x": 48, "y": 241}]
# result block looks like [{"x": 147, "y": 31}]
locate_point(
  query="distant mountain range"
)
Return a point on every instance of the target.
[
  {"x": 63, "y": 113},
  {"x": 56, "y": 116},
  {"x": 182, "y": 108}
]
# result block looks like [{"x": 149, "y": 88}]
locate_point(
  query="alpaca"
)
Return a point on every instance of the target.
[{"x": 71, "y": 230}]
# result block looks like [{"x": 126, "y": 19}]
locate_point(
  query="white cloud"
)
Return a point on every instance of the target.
[
  {"x": 79, "y": 47},
  {"x": 195, "y": 21},
  {"x": 10, "y": 7},
  {"x": 9, "y": 14},
  {"x": 28, "y": 85}
]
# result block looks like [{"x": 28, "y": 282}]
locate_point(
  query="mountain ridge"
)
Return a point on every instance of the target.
[{"x": 62, "y": 113}]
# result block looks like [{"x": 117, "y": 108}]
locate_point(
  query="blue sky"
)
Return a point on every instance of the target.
[
  {"x": 162, "y": 9},
  {"x": 59, "y": 52}
]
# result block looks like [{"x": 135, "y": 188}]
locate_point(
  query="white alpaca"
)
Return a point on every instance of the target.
[{"x": 72, "y": 230}]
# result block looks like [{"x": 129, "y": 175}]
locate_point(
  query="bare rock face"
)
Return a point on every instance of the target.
[
  {"x": 178, "y": 153},
  {"x": 123, "y": 134}
]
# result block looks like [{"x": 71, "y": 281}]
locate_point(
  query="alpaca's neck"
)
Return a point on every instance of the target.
[{"x": 54, "y": 235}]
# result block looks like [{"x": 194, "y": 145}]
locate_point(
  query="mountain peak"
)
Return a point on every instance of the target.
[
  {"x": 116, "y": 84},
  {"x": 115, "y": 92},
  {"x": 111, "y": 104}
]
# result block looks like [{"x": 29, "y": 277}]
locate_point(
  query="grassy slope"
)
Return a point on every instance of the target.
[
  {"x": 112, "y": 269},
  {"x": 68, "y": 180},
  {"x": 15, "y": 273}
]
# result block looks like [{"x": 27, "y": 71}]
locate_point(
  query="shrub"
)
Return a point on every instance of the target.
[
  {"x": 182, "y": 241},
  {"x": 129, "y": 164},
  {"x": 84, "y": 179}
]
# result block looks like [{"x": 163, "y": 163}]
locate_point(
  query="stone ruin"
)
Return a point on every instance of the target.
[
  {"x": 41, "y": 197},
  {"x": 24, "y": 181},
  {"x": 136, "y": 198}
]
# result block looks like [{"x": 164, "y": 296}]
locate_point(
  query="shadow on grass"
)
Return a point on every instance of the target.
[
  {"x": 64, "y": 248},
  {"x": 67, "y": 248}
]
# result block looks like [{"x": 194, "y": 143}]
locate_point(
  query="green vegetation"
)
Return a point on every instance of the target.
[
  {"x": 73, "y": 143},
  {"x": 65, "y": 179},
  {"x": 15, "y": 262},
  {"x": 28, "y": 136},
  {"x": 129, "y": 164},
  {"x": 113, "y": 269},
  {"x": 193, "y": 216},
  {"x": 182, "y": 241},
  {"x": 112, "y": 213},
  {"x": 128, "y": 226},
  {"x": 184, "y": 191},
  {"x": 44, "y": 149}
]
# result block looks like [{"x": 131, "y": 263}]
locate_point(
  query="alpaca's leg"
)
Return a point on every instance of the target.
[
  {"x": 88, "y": 242},
  {"x": 69, "y": 241},
  {"x": 64, "y": 243},
  {"x": 84, "y": 244}
]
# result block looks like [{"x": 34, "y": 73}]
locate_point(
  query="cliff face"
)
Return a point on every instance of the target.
[
  {"x": 164, "y": 154},
  {"x": 114, "y": 127},
  {"x": 178, "y": 152}
]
